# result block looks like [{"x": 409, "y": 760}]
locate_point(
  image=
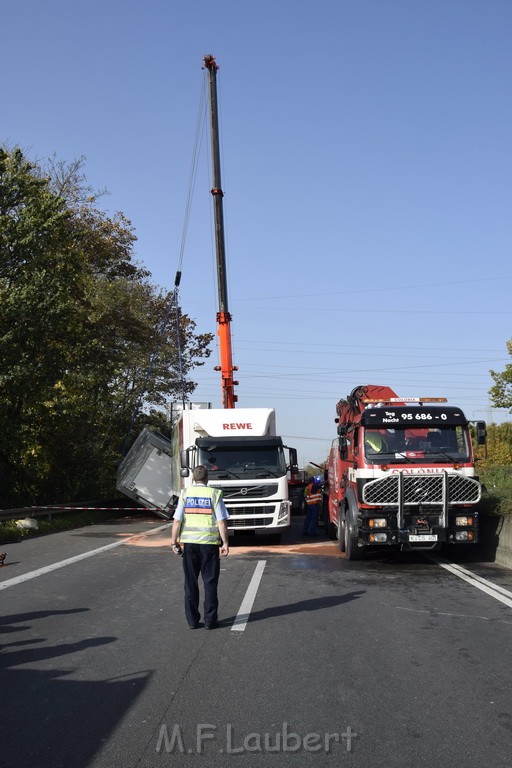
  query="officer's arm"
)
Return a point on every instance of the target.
[
  {"x": 223, "y": 530},
  {"x": 176, "y": 523},
  {"x": 175, "y": 533}
]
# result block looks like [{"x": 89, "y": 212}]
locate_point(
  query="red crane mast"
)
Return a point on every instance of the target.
[{"x": 224, "y": 318}]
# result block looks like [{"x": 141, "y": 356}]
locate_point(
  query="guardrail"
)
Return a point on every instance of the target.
[{"x": 57, "y": 509}]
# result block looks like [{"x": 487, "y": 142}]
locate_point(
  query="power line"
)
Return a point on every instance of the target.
[
  {"x": 378, "y": 290},
  {"x": 361, "y": 346}
]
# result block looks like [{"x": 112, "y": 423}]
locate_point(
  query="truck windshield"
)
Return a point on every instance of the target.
[
  {"x": 247, "y": 462},
  {"x": 396, "y": 446}
]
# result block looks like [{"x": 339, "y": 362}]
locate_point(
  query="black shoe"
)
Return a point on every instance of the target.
[
  {"x": 195, "y": 625},
  {"x": 211, "y": 625}
]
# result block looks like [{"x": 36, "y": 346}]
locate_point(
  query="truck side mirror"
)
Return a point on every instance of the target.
[
  {"x": 184, "y": 472},
  {"x": 184, "y": 461},
  {"x": 294, "y": 464},
  {"x": 343, "y": 442},
  {"x": 481, "y": 432}
]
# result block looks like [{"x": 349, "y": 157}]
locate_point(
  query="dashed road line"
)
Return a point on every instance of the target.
[{"x": 244, "y": 612}]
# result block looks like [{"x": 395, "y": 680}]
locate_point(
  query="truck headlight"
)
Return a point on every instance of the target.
[
  {"x": 284, "y": 512},
  {"x": 378, "y": 538},
  {"x": 463, "y": 520},
  {"x": 378, "y": 522},
  {"x": 463, "y": 535}
]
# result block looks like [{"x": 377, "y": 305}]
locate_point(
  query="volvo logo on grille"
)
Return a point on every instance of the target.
[{"x": 244, "y": 491}]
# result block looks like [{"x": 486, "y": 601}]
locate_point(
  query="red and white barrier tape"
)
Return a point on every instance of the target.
[{"x": 123, "y": 509}]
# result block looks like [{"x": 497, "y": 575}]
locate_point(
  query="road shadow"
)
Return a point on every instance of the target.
[
  {"x": 48, "y": 717},
  {"x": 302, "y": 606}
]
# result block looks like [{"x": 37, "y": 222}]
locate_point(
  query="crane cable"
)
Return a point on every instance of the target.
[{"x": 173, "y": 302}]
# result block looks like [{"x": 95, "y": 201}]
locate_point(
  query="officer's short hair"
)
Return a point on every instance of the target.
[{"x": 200, "y": 474}]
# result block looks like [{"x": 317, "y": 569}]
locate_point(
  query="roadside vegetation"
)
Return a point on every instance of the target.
[
  {"x": 494, "y": 467},
  {"x": 497, "y": 498},
  {"x": 79, "y": 322},
  {"x": 495, "y": 459}
]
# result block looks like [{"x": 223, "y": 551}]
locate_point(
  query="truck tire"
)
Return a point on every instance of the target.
[
  {"x": 352, "y": 551},
  {"x": 329, "y": 528},
  {"x": 340, "y": 533}
]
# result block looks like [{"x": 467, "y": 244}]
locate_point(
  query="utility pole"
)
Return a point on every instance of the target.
[{"x": 223, "y": 316}]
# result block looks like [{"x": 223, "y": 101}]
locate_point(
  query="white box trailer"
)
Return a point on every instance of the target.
[
  {"x": 244, "y": 456},
  {"x": 150, "y": 473}
]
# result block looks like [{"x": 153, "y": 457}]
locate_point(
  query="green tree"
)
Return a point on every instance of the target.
[
  {"x": 78, "y": 322},
  {"x": 501, "y": 392},
  {"x": 498, "y": 450}
]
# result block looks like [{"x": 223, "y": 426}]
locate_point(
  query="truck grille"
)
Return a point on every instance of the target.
[
  {"x": 251, "y": 517},
  {"x": 422, "y": 489},
  {"x": 246, "y": 491},
  {"x": 267, "y": 509},
  {"x": 250, "y": 522}
]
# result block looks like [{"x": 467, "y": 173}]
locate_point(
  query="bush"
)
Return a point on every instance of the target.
[{"x": 497, "y": 499}]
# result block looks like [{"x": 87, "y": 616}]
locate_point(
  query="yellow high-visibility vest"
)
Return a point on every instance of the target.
[
  {"x": 375, "y": 442},
  {"x": 199, "y": 521}
]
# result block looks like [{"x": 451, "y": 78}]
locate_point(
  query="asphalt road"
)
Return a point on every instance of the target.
[{"x": 392, "y": 661}]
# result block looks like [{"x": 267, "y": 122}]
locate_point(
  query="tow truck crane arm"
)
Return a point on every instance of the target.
[{"x": 226, "y": 367}]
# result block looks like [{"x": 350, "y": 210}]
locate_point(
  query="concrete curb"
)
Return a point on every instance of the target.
[
  {"x": 496, "y": 538},
  {"x": 504, "y": 551}
]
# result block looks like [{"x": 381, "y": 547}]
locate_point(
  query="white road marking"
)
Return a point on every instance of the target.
[
  {"x": 244, "y": 612},
  {"x": 494, "y": 590},
  {"x": 70, "y": 560}
]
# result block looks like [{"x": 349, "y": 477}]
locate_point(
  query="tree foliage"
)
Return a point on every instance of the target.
[
  {"x": 501, "y": 392},
  {"x": 498, "y": 451},
  {"x": 79, "y": 321},
  {"x": 494, "y": 463}
]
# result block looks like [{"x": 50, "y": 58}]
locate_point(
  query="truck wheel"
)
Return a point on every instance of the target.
[
  {"x": 352, "y": 551},
  {"x": 340, "y": 533},
  {"x": 329, "y": 528}
]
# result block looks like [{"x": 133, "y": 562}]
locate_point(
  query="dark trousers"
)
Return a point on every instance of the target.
[
  {"x": 311, "y": 519},
  {"x": 201, "y": 559}
]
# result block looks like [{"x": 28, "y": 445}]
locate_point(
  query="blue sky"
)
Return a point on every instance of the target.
[{"x": 366, "y": 166}]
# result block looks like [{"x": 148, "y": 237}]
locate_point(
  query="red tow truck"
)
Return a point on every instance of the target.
[{"x": 401, "y": 474}]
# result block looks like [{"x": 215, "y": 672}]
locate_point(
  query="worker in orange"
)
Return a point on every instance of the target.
[{"x": 313, "y": 497}]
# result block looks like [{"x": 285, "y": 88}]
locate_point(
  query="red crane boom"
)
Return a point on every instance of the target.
[{"x": 223, "y": 315}]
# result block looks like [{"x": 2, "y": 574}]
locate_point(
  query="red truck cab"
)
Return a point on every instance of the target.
[{"x": 401, "y": 474}]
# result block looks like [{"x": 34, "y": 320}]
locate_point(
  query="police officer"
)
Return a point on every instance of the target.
[{"x": 200, "y": 525}]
